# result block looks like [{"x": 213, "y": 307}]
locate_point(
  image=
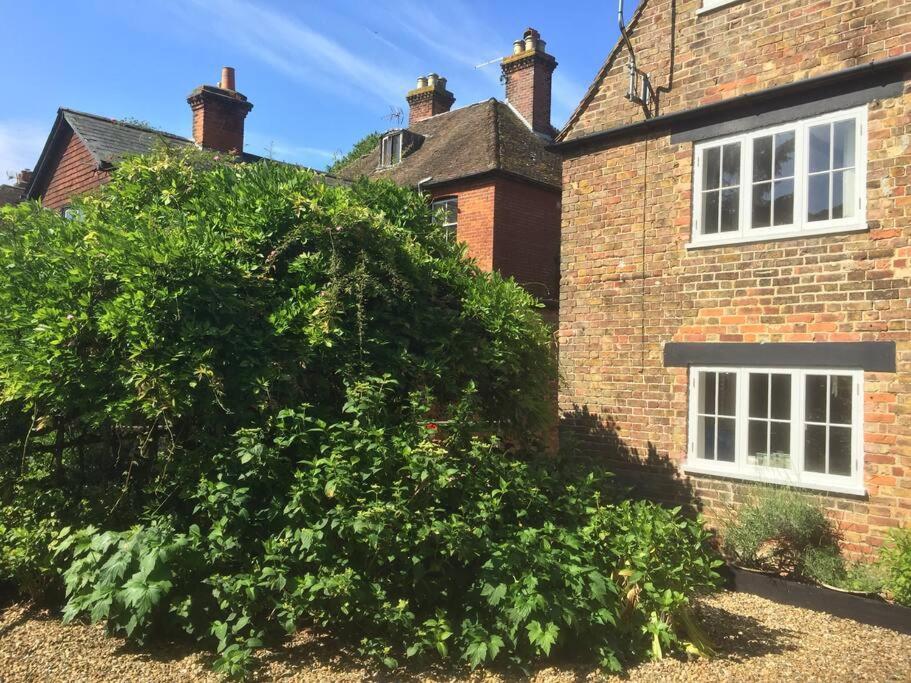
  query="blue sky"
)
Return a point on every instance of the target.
[{"x": 320, "y": 74}]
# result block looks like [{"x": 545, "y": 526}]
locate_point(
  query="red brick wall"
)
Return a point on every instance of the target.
[
  {"x": 71, "y": 173},
  {"x": 629, "y": 285},
  {"x": 527, "y": 238},
  {"x": 476, "y": 216},
  {"x": 511, "y": 227}
]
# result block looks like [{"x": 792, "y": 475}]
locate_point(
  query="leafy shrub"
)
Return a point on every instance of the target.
[
  {"x": 896, "y": 559},
  {"x": 828, "y": 566},
  {"x": 363, "y": 146},
  {"x": 413, "y": 543},
  {"x": 223, "y": 378},
  {"x": 776, "y": 529}
]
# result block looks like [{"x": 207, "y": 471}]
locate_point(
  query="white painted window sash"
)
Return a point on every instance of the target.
[
  {"x": 795, "y": 475},
  {"x": 801, "y": 225}
]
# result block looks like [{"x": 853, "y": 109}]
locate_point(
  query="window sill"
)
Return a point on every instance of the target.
[
  {"x": 848, "y": 488},
  {"x": 790, "y": 235},
  {"x": 717, "y": 5}
]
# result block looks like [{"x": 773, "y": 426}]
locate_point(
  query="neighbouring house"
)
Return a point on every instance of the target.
[
  {"x": 735, "y": 299},
  {"x": 82, "y": 149},
  {"x": 488, "y": 168},
  {"x": 13, "y": 194}
]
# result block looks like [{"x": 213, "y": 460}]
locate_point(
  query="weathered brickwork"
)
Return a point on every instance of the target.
[
  {"x": 629, "y": 283},
  {"x": 741, "y": 48},
  {"x": 75, "y": 172}
]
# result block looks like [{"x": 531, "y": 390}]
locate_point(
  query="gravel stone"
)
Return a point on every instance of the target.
[{"x": 757, "y": 640}]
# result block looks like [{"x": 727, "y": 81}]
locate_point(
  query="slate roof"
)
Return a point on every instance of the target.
[
  {"x": 483, "y": 137},
  {"x": 10, "y": 194},
  {"x": 109, "y": 140}
]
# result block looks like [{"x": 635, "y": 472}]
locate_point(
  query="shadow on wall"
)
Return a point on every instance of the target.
[{"x": 650, "y": 475}]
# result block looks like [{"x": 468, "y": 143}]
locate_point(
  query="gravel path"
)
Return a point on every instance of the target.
[{"x": 758, "y": 640}]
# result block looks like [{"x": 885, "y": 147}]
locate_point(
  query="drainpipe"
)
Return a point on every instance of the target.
[
  {"x": 424, "y": 180},
  {"x": 632, "y": 93}
]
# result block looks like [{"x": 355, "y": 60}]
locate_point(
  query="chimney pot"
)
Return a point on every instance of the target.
[
  {"x": 227, "y": 78},
  {"x": 23, "y": 177},
  {"x": 218, "y": 115},
  {"x": 528, "y": 73},
  {"x": 423, "y": 103}
]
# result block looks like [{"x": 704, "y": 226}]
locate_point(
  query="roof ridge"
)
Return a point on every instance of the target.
[{"x": 125, "y": 124}]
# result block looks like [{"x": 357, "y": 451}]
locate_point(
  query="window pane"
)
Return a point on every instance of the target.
[
  {"x": 780, "y": 444},
  {"x": 843, "y": 194},
  {"x": 784, "y": 155},
  {"x": 840, "y": 450},
  {"x": 706, "y": 448},
  {"x": 840, "y": 400},
  {"x": 844, "y": 144},
  {"x": 784, "y": 202},
  {"x": 759, "y": 395},
  {"x": 710, "y": 212},
  {"x": 762, "y": 159},
  {"x": 711, "y": 162},
  {"x": 819, "y": 147},
  {"x": 781, "y": 397},
  {"x": 816, "y": 398},
  {"x": 726, "y": 429},
  {"x": 757, "y": 441},
  {"x": 814, "y": 455},
  {"x": 762, "y": 205},
  {"x": 818, "y": 198},
  {"x": 727, "y": 393},
  {"x": 730, "y": 210},
  {"x": 708, "y": 393},
  {"x": 730, "y": 172}
]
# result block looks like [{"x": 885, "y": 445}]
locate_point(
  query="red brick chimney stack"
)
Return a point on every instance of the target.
[
  {"x": 24, "y": 177},
  {"x": 528, "y": 72},
  {"x": 218, "y": 115},
  {"x": 429, "y": 98}
]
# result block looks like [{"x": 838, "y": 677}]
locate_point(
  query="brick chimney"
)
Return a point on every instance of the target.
[
  {"x": 527, "y": 72},
  {"x": 218, "y": 115},
  {"x": 429, "y": 98},
  {"x": 23, "y": 178}
]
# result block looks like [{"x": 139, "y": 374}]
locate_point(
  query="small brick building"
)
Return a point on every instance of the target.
[
  {"x": 487, "y": 166},
  {"x": 735, "y": 297},
  {"x": 82, "y": 149}
]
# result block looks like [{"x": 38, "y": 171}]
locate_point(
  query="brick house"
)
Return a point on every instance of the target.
[
  {"x": 488, "y": 166},
  {"x": 15, "y": 193},
  {"x": 82, "y": 149},
  {"x": 735, "y": 297}
]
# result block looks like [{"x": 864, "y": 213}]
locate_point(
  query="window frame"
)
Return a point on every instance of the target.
[
  {"x": 451, "y": 228},
  {"x": 795, "y": 475},
  {"x": 396, "y": 158},
  {"x": 800, "y": 227}
]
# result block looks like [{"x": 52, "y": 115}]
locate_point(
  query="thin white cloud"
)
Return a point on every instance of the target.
[
  {"x": 291, "y": 46},
  {"x": 20, "y": 144}
]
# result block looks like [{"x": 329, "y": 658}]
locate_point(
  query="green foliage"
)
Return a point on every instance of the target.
[
  {"x": 307, "y": 408},
  {"x": 827, "y": 566},
  {"x": 414, "y": 543},
  {"x": 776, "y": 528},
  {"x": 896, "y": 560},
  {"x": 363, "y": 146}
]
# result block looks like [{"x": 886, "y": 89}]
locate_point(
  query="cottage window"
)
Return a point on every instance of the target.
[
  {"x": 804, "y": 178},
  {"x": 708, "y": 5},
  {"x": 446, "y": 212},
  {"x": 391, "y": 149},
  {"x": 786, "y": 426}
]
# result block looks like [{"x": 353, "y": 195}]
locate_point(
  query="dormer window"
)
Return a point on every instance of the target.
[{"x": 391, "y": 149}]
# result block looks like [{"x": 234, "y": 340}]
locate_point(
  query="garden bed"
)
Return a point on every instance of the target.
[
  {"x": 839, "y": 603},
  {"x": 757, "y": 640}
]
